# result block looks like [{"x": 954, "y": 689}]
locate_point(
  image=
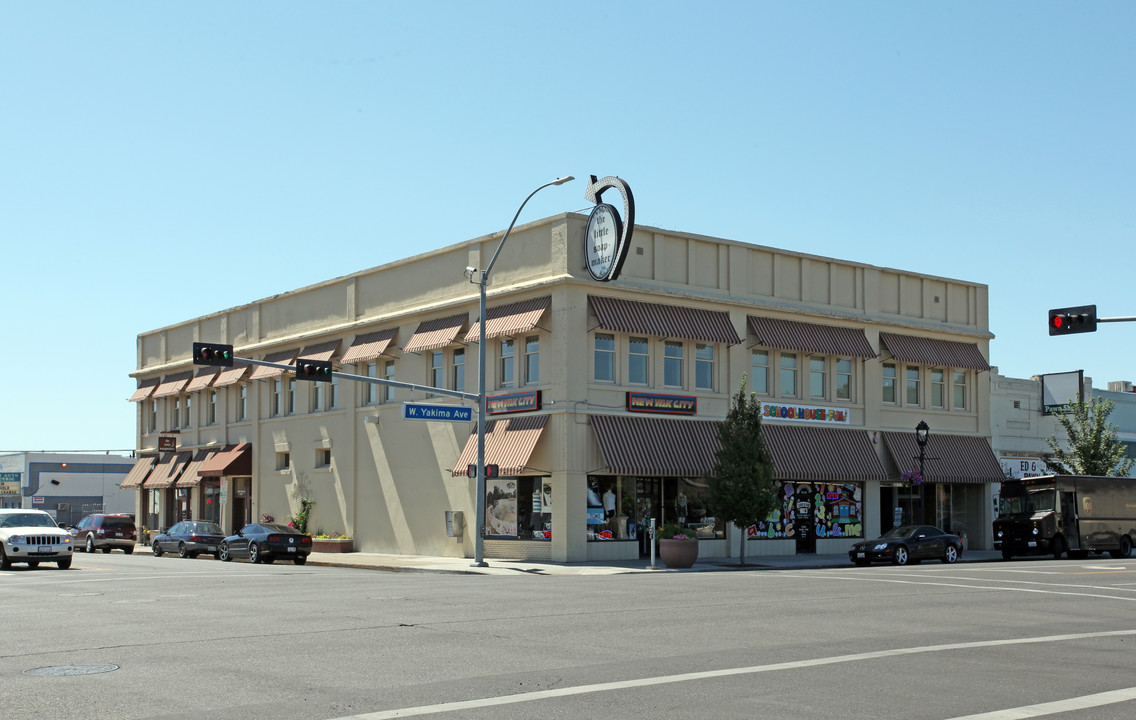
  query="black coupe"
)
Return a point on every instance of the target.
[
  {"x": 263, "y": 543},
  {"x": 908, "y": 544}
]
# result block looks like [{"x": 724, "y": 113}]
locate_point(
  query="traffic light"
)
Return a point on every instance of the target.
[
  {"x": 491, "y": 471},
  {"x": 212, "y": 354},
  {"x": 319, "y": 370},
  {"x": 1070, "y": 320}
]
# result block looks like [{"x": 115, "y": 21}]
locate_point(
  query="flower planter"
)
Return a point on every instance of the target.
[
  {"x": 332, "y": 545},
  {"x": 678, "y": 553}
]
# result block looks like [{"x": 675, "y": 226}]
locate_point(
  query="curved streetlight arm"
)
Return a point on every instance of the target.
[{"x": 479, "y": 514}]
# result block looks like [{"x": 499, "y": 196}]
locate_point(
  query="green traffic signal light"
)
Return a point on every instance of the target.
[
  {"x": 317, "y": 370},
  {"x": 214, "y": 354}
]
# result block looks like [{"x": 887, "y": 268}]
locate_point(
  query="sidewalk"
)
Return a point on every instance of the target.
[{"x": 421, "y": 563}]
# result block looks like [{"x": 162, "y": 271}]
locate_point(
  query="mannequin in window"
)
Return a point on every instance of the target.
[
  {"x": 609, "y": 504},
  {"x": 680, "y": 508}
]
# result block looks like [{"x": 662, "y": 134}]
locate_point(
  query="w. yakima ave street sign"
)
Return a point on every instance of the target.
[{"x": 441, "y": 413}]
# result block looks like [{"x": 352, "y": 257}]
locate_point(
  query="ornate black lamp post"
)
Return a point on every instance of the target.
[{"x": 922, "y": 430}]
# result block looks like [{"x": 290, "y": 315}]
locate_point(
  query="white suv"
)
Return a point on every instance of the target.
[{"x": 32, "y": 537}]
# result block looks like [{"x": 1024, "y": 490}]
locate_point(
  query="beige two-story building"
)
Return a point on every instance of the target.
[{"x": 602, "y": 404}]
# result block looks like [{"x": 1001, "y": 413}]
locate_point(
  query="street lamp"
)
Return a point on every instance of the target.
[
  {"x": 922, "y": 430},
  {"x": 482, "y": 279}
]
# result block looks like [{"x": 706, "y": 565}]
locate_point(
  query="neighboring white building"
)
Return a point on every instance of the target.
[
  {"x": 1019, "y": 425},
  {"x": 66, "y": 485},
  {"x": 603, "y": 399}
]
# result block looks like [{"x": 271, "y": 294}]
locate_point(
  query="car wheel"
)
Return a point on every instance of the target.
[
  {"x": 1125, "y": 548},
  {"x": 1058, "y": 547},
  {"x": 952, "y": 554},
  {"x": 33, "y": 563},
  {"x": 106, "y": 551},
  {"x": 5, "y": 563},
  {"x": 181, "y": 550},
  {"x": 64, "y": 563},
  {"x": 217, "y": 555},
  {"x": 157, "y": 549},
  {"x": 128, "y": 550},
  {"x": 901, "y": 556},
  {"x": 299, "y": 559},
  {"x": 223, "y": 554},
  {"x": 254, "y": 553},
  {"x": 90, "y": 544}
]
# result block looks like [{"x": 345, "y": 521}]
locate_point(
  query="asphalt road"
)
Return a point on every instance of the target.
[{"x": 142, "y": 637}]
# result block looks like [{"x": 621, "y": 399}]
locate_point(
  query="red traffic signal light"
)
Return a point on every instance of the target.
[
  {"x": 1070, "y": 320},
  {"x": 491, "y": 471},
  {"x": 319, "y": 370},
  {"x": 214, "y": 354}
]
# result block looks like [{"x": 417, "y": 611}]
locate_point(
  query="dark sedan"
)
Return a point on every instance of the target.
[
  {"x": 263, "y": 543},
  {"x": 190, "y": 538},
  {"x": 908, "y": 544}
]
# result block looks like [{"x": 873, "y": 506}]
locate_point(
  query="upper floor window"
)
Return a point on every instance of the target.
[
  {"x": 437, "y": 368},
  {"x": 276, "y": 399},
  {"x": 316, "y": 396},
  {"x": 788, "y": 377},
  {"x": 153, "y": 416},
  {"x": 333, "y": 393},
  {"x": 889, "y": 379},
  {"x": 911, "y": 384},
  {"x": 532, "y": 360},
  {"x": 507, "y": 367},
  {"x": 387, "y": 393},
  {"x": 212, "y": 407},
  {"x": 603, "y": 358},
  {"x": 371, "y": 390},
  {"x": 672, "y": 363},
  {"x": 458, "y": 370},
  {"x": 938, "y": 388},
  {"x": 959, "y": 387},
  {"x": 843, "y": 378},
  {"x": 759, "y": 372},
  {"x": 704, "y": 366},
  {"x": 290, "y": 396},
  {"x": 638, "y": 360},
  {"x": 818, "y": 371},
  {"x": 242, "y": 401}
]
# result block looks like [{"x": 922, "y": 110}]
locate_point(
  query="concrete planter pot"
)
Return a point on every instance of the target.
[
  {"x": 678, "y": 553},
  {"x": 332, "y": 545}
]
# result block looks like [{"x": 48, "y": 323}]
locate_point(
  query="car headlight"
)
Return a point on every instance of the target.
[
  {"x": 881, "y": 546},
  {"x": 17, "y": 540},
  {"x": 1035, "y": 531},
  {"x": 999, "y": 533}
]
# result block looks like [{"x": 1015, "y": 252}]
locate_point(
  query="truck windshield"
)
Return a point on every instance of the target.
[{"x": 1032, "y": 501}]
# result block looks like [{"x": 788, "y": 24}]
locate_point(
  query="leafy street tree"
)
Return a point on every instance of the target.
[
  {"x": 1093, "y": 445},
  {"x": 741, "y": 487}
]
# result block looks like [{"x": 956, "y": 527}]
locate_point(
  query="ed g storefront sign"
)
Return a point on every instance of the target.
[{"x": 804, "y": 413}]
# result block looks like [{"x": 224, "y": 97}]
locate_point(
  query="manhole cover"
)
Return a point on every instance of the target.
[{"x": 71, "y": 670}]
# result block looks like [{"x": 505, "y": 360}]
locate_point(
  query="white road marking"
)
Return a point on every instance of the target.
[
  {"x": 460, "y": 705},
  {"x": 1057, "y": 706}
]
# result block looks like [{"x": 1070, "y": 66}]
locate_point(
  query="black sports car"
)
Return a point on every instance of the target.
[
  {"x": 190, "y": 538},
  {"x": 263, "y": 543},
  {"x": 908, "y": 544}
]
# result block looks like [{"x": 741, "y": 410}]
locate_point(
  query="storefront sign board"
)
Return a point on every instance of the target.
[
  {"x": 665, "y": 404},
  {"x": 512, "y": 403},
  {"x": 805, "y": 413}
]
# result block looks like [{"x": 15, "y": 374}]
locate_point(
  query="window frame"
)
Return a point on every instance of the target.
[
  {"x": 670, "y": 361},
  {"x": 822, "y": 374},
  {"x": 531, "y": 364},
  {"x": 703, "y": 365},
  {"x": 607, "y": 353},
  {"x": 643, "y": 358},
  {"x": 754, "y": 367},
  {"x": 888, "y": 383},
  {"x": 790, "y": 371}
]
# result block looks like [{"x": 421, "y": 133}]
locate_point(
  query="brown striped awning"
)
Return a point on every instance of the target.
[
  {"x": 931, "y": 351},
  {"x": 668, "y": 321},
  {"x": 145, "y": 389},
  {"x": 138, "y": 473},
  {"x": 189, "y": 477},
  {"x": 656, "y": 447},
  {"x": 810, "y": 337},
  {"x": 320, "y": 351},
  {"x": 167, "y": 471},
  {"x": 284, "y": 357},
  {"x": 508, "y": 444},
  {"x": 665, "y": 447},
  {"x": 947, "y": 458},
  {"x": 821, "y": 454},
  {"x": 230, "y": 376},
  {"x": 519, "y": 317},
  {"x": 203, "y": 379},
  {"x": 173, "y": 384},
  {"x": 369, "y": 346},
  {"x": 433, "y": 334},
  {"x": 232, "y": 460}
]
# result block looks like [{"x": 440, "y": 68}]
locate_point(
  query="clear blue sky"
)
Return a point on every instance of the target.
[{"x": 161, "y": 161}]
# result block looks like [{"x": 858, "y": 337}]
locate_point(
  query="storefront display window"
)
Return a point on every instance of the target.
[
  {"x": 518, "y": 508},
  {"x": 622, "y": 508},
  {"x": 838, "y": 511}
]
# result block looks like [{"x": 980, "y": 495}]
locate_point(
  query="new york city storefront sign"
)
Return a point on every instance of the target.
[
  {"x": 512, "y": 403},
  {"x": 805, "y": 413},
  {"x": 666, "y": 404}
]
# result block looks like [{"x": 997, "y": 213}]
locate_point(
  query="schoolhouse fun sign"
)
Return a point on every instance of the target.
[{"x": 804, "y": 413}]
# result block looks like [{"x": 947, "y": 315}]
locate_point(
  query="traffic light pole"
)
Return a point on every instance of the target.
[{"x": 367, "y": 379}]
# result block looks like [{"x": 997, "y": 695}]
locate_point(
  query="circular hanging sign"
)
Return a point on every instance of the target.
[
  {"x": 602, "y": 241},
  {"x": 607, "y": 236}
]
